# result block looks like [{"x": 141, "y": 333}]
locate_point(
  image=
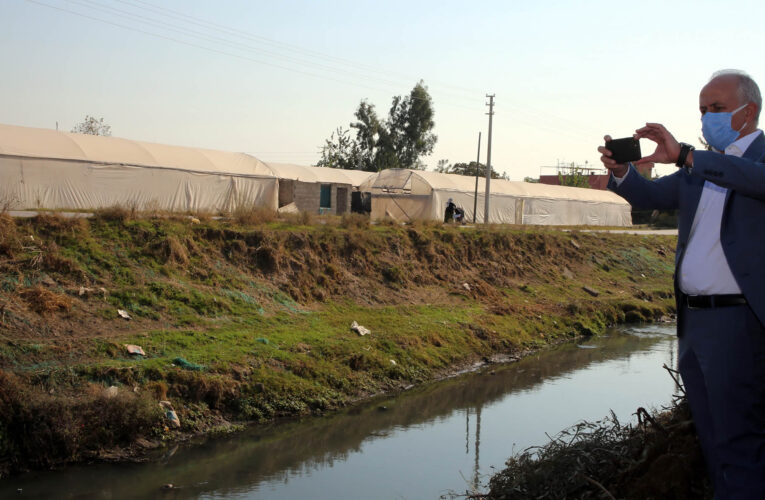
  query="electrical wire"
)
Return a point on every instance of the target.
[
  {"x": 209, "y": 49},
  {"x": 572, "y": 130},
  {"x": 199, "y": 35},
  {"x": 289, "y": 47},
  {"x": 196, "y": 36}
]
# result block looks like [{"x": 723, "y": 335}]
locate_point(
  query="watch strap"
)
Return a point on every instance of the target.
[{"x": 685, "y": 148}]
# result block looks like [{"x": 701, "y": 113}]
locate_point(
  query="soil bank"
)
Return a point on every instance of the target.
[{"x": 241, "y": 321}]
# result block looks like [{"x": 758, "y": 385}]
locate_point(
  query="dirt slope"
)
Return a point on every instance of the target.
[{"x": 252, "y": 322}]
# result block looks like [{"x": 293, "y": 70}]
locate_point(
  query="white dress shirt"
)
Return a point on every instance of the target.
[{"x": 704, "y": 269}]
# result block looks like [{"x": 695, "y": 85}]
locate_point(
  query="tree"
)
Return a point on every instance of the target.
[
  {"x": 397, "y": 142},
  {"x": 470, "y": 169},
  {"x": 575, "y": 177},
  {"x": 92, "y": 126},
  {"x": 341, "y": 151}
]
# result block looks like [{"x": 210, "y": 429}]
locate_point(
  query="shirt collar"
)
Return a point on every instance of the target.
[{"x": 739, "y": 147}]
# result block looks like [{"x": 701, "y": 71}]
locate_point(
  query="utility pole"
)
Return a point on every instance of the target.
[
  {"x": 488, "y": 161},
  {"x": 477, "y": 163}
]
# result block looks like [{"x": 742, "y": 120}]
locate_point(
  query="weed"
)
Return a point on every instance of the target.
[
  {"x": 171, "y": 251},
  {"x": 393, "y": 274},
  {"x": 116, "y": 213},
  {"x": 354, "y": 221},
  {"x": 10, "y": 240},
  {"x": 43, "y": 429},
  {"x": 42, "y": 300},
  {"x": 251, "y": 215},
  {"x": 593, "y": 458},
  {"x": 304, "y": 218},
  {"x": 388, "y": 221},
  {"x": 7, "y": 202},
  {"x": 426, "y": 223}
]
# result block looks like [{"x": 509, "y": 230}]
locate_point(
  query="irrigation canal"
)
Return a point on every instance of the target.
[{"x": 445, "y": 437}]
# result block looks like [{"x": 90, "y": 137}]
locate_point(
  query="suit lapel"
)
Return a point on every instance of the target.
[
  {"x": 754, "y": 152},
  {"x": 756, "y": 149},
  {"x": 694, "y": 195}
]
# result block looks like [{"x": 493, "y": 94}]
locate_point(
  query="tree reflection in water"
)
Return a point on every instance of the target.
[{"x": 243, "y": 464}]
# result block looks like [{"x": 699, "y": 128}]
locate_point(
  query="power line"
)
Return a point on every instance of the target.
[
  {"x": 572, "y": 130},
  {"x": 261, "y": 39},
  {"x": 196, "y": 36},
  {"x": 209, "y": 49},
  {"x": 199, "y": 35}
]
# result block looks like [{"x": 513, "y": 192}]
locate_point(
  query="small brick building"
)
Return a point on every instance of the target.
[
  {"x": 317, "y": 190},
  {"x": 596, "y": 180}
]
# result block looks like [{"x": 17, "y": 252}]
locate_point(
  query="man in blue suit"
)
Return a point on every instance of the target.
[{"x": 720, "y": 273}]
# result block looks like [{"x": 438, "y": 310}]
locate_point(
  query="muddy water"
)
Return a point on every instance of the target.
[{"x": 447, "y": 437}]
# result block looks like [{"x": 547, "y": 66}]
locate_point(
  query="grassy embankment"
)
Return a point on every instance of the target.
[{"x": 244, "y": 322}]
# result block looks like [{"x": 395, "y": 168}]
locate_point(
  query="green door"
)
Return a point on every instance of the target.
[{"x": 325, "y": 199}]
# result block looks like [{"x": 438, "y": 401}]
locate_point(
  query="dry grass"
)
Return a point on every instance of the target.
[
  {"x": 300, "y": 219},
  {"x": 54, "y": 223},
  {"x": 154, "y": 210},
  {"x": 7, "y": 202},
  {"x": 42, "y": 300},
  {"x": 216, "y": 391},
  {"x": 43, "y": 429},
  {"x": 661, "y": 459},
  {"x": 252, "y": 215},
  {"x": 388, "y": 221},
  {"x": 10, "y": 242},
  {"x": 202, "y": 216},
  {"x": 426, "y": 223},
  {"x": 52, "y": 261},
  {"x": 117, "y": 213},
  {"x": 354, "y": 221},
  {"x": 171, "y": 251}
]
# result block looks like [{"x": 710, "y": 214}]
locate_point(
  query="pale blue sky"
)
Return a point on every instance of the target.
[{"x": 276, "y": 78}]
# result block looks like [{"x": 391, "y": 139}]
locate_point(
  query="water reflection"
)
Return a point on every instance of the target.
[{"x": 416, "y": 445}]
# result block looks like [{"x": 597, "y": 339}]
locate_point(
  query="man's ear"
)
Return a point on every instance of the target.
[{"x": 751, "y": 112}]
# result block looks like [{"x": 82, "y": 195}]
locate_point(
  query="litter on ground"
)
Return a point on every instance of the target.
[
  {"x": 170, "y": 414},
  {"x": 135, "y": 349},
  {"x": 188, "y": 365},
  {"x": 360, "y": 329}
]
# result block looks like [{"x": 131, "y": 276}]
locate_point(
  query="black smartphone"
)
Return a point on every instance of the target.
[{"x": 624, "y": 150}]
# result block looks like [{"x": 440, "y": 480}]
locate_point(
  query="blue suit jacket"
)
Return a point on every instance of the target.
[{"x": 742, "y": 232}]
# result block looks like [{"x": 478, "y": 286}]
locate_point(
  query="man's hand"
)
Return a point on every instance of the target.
[
  {"x": 618, "y": 169},
  {"x": 667, "y": 148}
]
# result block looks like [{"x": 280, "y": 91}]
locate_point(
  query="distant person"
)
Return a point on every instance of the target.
[
  {"x": 450, "y": 210},
  {"x": 720, "y": 276},
  {"x": 459, "y": 215}
]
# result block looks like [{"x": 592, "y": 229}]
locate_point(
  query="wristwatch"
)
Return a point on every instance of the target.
[{"x": 685, "y": 148}]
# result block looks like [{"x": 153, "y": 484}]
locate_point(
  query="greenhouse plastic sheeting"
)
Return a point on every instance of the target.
[{"x": 406, "y": 195}]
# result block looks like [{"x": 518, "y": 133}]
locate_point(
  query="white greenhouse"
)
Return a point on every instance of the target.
[{"x": 406, "y": 195}]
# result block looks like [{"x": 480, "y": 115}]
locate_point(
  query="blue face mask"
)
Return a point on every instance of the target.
[{"x": 717, "y": 130}]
